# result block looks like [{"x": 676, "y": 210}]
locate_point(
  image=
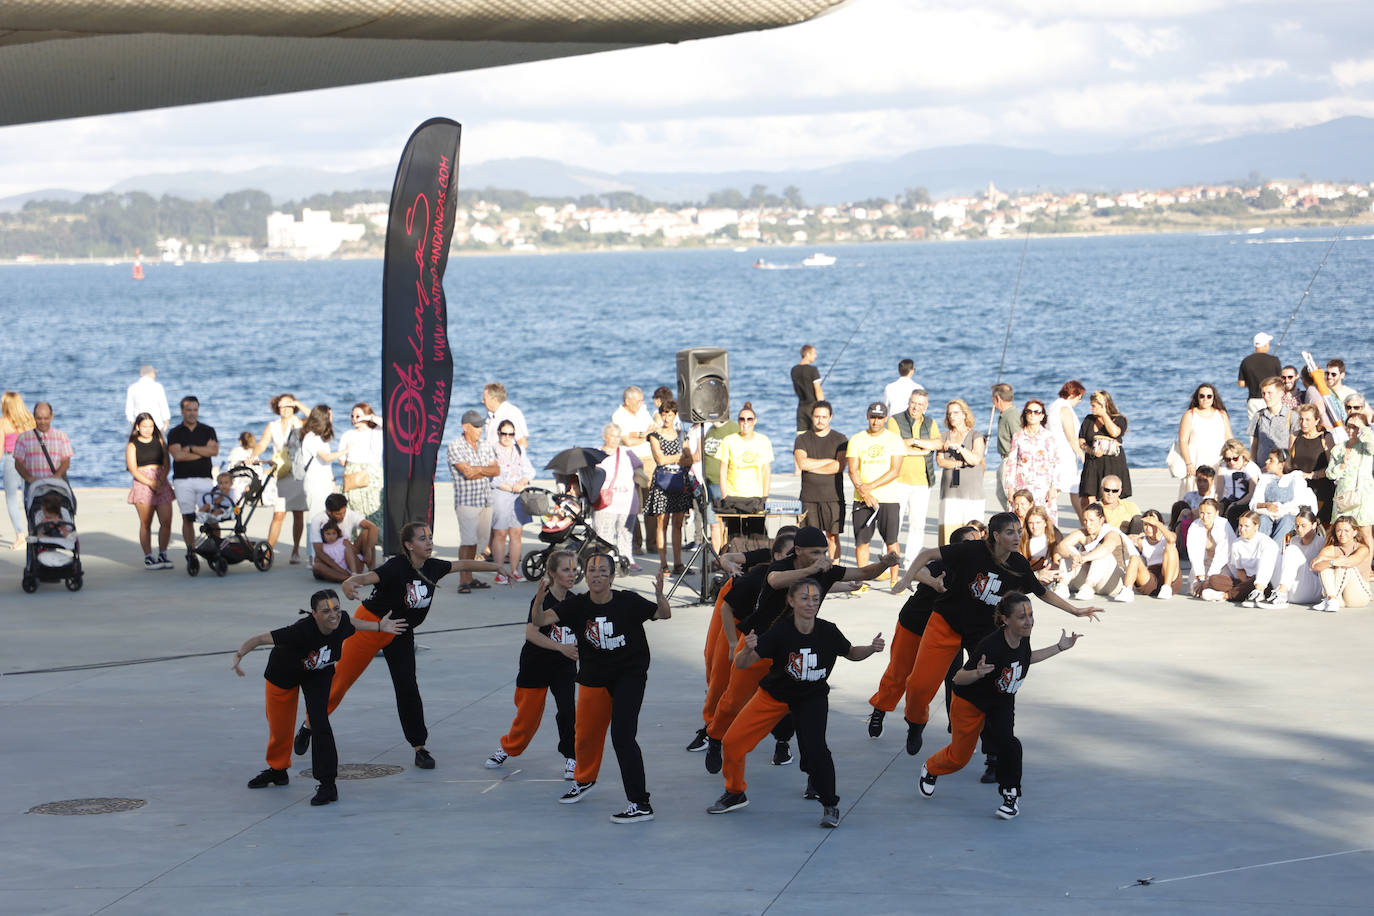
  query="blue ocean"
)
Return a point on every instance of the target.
[{"x": 1145, "y": 317}]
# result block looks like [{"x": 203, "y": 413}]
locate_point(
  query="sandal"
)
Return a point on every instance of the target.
[
  {"x": 478, "y": 583},
  {"x": 464, "y": 588}
]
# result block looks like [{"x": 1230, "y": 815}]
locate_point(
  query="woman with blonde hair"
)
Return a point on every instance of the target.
[
  {"x": 14, "y": 419},
  {"x": 962, "y": 458}
]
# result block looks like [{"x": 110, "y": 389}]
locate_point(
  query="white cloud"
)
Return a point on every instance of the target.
[{"x": 1350, "y": 73}]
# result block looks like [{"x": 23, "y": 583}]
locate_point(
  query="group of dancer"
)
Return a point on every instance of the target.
[{"x": 768, "y": 655}]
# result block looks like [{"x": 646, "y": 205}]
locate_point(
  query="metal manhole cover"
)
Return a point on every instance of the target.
[
  {"x": 360, "y": 771},
  {"x": 88, "y": 806}
]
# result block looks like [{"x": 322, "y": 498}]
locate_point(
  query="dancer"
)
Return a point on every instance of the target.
[
  {"x": 986, "y": 704},
  {"x": 548, "y": 664},
  {"x": 613, "y": 666},
  {"x": 802, "y": 649},
  {"x": 977, "y": 575},
  {"x": 302, "y": 661},
  {"x": 404, "y": 585}
]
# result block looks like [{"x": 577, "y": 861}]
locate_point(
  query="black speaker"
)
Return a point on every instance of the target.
[{"x": 703, "y": 384}]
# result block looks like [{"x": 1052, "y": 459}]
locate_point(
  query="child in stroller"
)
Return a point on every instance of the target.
[
  {"x": 53, "y": 549},
  {"x": 564, "y": 525},
  {"x": 219, "y": 549}
]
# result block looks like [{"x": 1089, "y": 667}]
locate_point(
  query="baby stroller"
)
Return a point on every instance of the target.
[
  {"x": 563, "y": 527},
  {"x": 232, "y": 546},
  {"x": 54, "y": 551}
]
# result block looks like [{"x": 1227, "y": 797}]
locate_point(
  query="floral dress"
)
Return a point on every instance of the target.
[
  {"x": 1033, "y": 464},
  {"x": 1349, "y": 468}
]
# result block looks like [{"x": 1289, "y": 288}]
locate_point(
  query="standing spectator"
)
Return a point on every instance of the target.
[
  {"x": 1008, "y": 422},
  {"x": 897, "y": 392},
  {"x": 1335, "y": 379},
  {"x": 319, "y": 460},
  {"x": 192, "y": 445},
  {"x": 498, "y": 409},
  {"x": 719, "y": 430},
  {"x": 1292, "y": 395},
  {"x": 514, "y": 476},
  {"x": 874, "y": 458},
  {"x": 1349, "y": 468},
  {"x": 361, "y": 448},
  {"x": 1313, "y": 396},
  {"x": 806, "y": 384},
  {"x": 634, "y": 421},
  {"x": 921, "y": 435},
  {"x": 473, "y": 463},
  {"x": 669, "y": 497},
  {"x": 962, "y": 457},
  {"x": 746, "y": 458},
  {"x": 613, "y": 521},
  {"x": 1202, "y": 430},
  {"x": 283, "y": 492},
  {"x": 42, "y": 451},
  {"x": 1273, "y": 425},
  {"x": 1100, "y": 437},
  {"x": 1031, "y": 461},
  {"x": 14, "y": 419},
  {"x": 662, "y": 395},
  {"x": 820, "y": 454},
  {"x": 1254, "y": 369},
  {"x": 1309, "y": 452},
  {"x": 148, "y": 396},
  {"x": 150, "y": 464},
  {"x": 1063, "y": 424}
]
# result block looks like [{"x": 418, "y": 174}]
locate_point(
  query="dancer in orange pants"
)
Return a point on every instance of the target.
[{"x": 985, "y": 700}]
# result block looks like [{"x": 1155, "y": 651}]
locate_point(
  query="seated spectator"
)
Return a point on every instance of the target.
[
  {"x": 1253, "y": 565},
  {"x": 217, "y": 505},
  {"x": 1021, "y": 503},
  {"x": 1296, "y": 583},
  {"x": 1236, "y": 479},
  {"x": 1278, "y": 495},
  {"x": 1185, "y": 510},
  {"x": 1159, "y": 576},
  {"x": 1209, "y": 550},
  {"x": 1117, "y": 511},
  {"x": 354, "y": 527},
  {"x": 1100, "y": 559},
  {"x": 334, "y": 558},
  {"x": 1040, "y": 545},
  {"x": 1342, "y": 566}
]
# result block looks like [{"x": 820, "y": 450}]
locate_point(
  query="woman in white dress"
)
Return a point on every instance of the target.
[
  {"x": 361, "y": 448},
  {"x": 282, "y": 493},
  {"x": 1062, "y": 422},
  {"x": 319, "y": 460},
  {"x": 1202, "y": 431}
]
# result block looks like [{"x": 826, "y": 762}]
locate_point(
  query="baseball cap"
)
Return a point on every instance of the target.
[
  {"x": 1262, "y": 338},
  {"x": 877, "y": 409},
  {"x": 472, "y": 418},
  {"x": 809, "y": 536}
]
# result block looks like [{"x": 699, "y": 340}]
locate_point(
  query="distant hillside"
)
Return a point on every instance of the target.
[{"x": 1336, "y": 151}]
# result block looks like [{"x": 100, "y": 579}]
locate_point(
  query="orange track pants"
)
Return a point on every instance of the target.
[
  {"x": 281, "y": 724},
  {"x": 744, "y": 682},
  {"x": 718, "y": 660},
  {"x": 358, "y": 652},
  {"x": 938, "y": 647},
  {"x": 529, "y": 712},
  {"x": 967, "y": 724},
  {"x": 757, "y": 718},
  {"x": 900, "y": 660}
]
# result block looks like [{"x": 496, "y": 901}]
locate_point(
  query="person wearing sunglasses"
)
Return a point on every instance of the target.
[
  {"x": 1254, "y": 369},
  {"x": 1236, "y": 480},
  {"x": 1202, "y": 430},
  {"x": 746, "y": 458},
  {"x": 1292, "y": 394},
  {"x": 1031, "y": 462},
  {"x": 1335, "y": 379}
]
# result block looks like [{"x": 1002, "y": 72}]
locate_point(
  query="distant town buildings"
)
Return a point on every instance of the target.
[{"x": 314, "y": 235}]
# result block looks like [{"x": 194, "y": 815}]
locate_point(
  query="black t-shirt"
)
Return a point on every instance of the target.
[
  {"x": 916, "y": 611},
  {"x": 744, "y": 593},
  {"x": 974, "y": 583},
  {"x": 301, "y": 650},
  {"x": 1255, "y": 368},
  {"x": 149, "y": 453},
  {"x": 804, "y": 378},
  {"x": 801, "y": 662},
  {"x": 772, "y": 602},
  {"x": 1009, "y": 668},
  {"x": 538, "y": 665},
  {"x": 201, "y": 435},
  {"x": 822, "y": 488},
  {"x": 610, "y": 636},
  {"x": 404, "y": 591}
]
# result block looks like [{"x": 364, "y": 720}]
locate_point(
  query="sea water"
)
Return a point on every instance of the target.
[{"x": 1145, "y": 317}]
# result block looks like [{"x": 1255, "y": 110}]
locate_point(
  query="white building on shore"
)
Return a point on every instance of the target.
[{"x": 315, "y": 235}]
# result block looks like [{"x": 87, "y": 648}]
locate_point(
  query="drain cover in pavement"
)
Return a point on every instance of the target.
[
  {"x": 88, "y": 806},
  {"x": 360, "y": 771}
]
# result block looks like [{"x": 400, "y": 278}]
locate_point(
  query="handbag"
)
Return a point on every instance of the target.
[
  {"x": 607, "y": 494},
  {"x": 668, "y": 478},
  {"x": 1348, "y": 501},
  {"x": 1178, "y": 468},
  {"x": 356, "y": 480}
]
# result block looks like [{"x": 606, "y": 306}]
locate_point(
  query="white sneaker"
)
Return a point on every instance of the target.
[
  {"x": 1330, "y": 605},
  {"x": 1061, "y": 590},
  {"x": 1084, "y": 594},
  {"x": 1280, "y": 600},
  {"x": 1164, "y": 592},
  {"x": 495, "y": 760},
  {"x": 569, "y": 769},
  {"x": 1211, "y": 594},
  {"x": 1125, "y": 596}
]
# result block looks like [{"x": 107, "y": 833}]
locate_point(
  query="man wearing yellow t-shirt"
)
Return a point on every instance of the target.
[{"x": 875, "y": 459}]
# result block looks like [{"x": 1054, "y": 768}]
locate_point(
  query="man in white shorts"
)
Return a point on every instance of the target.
[
  {"x": 192, "y": 445},
  {"x": 473, "y": 463},
  {"x": 355, "y": 527}
]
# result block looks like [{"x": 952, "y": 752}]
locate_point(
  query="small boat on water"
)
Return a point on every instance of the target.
[
  {"x": 819, "y": 260},
  {"x": 761, "y": 264}
]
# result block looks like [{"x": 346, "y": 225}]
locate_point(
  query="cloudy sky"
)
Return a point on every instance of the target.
[{"x": 874, "y": 78}]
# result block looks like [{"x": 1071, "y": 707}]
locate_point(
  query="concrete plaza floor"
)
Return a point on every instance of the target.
[{"x": 1223, "y": 753}]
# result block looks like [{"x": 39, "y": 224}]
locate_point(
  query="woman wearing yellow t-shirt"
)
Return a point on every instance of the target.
[{"x": 746, "y": 458}]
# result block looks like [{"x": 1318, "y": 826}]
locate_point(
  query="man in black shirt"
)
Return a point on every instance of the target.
[
  {"x": 192, "y": 445},
  {"x": 806, "y": 384},
  {"x": 1254, "y": 369},
  {"x": 820, "y": 457}
]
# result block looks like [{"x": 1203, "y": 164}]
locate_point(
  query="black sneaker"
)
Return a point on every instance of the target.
[
  {"x": 989, "y": 776},
  {"x": 633, "y": 814},
  {"x": 926, "y": 784},
  {"x": 423, "y": 759},
  {"x": 782, "y": 754},
  {"x": 698, "y": 742},
  {"x": 326, "y": 793},
  {"x": 269, "y": 777},
  {"x": 913, "y": 738},
  {"x": 875, "y": 723},
  {"x": 714, "y": 760},
  {"x": 1007, "y": 810},
  {"x": 811, "y": 794},
  {"x": 728, "y": 802},
  {"x": 575, "y": 792},
  {"x": 302, "y": 743},
  {"x": 830, "y": 816},
  {"x": 164, "y": 563}
]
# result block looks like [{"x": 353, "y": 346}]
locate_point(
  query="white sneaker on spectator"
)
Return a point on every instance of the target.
[
  {"x": 1211, "y": 594},
  {"x": 1164, "y": 592},
  {"x": 1084, "y": 594}
]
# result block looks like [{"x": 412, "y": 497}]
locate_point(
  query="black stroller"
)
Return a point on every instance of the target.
[
  {"x": 563, "y": 527},
  {"x": 53, "y": 552},
  {"x": 220, "y": 548}
]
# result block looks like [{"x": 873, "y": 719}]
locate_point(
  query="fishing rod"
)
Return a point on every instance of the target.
[
  {"x": 1320, "y": 265},
  {"x": 1006, "y": 337},
  {"x": 847, "y": 342}
]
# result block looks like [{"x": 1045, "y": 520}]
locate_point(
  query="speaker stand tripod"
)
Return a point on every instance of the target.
[{"x": 704, "y": 558}]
